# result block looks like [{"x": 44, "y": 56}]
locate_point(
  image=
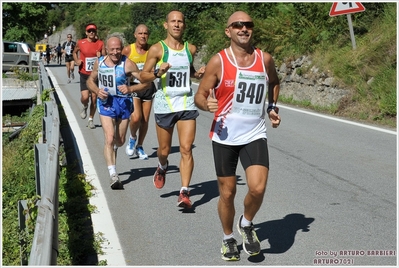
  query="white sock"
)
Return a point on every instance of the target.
[
  {"x": 112, "y": 170},
  {"x": 225, "y": 237},
  {"x": 184, "y": 188},
  {"x": 245, "y": 222},
  {"x": 163, "y": 167}
]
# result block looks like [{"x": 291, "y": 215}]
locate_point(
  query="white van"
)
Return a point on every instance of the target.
[{"x": 9, "y": 48}]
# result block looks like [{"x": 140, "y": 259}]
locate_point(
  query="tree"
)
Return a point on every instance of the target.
[{"x": 24, "y": 22}]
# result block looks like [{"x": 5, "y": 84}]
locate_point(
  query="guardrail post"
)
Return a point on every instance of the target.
[{"x": 22, "y": 206}]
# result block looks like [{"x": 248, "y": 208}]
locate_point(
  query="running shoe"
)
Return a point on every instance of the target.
[
  {"x": 91, "y": 124},
  {"x": 184, "y": 199},
  {"x": 250, "y": 243},
  {"x": 130, "y": 147},
  {"x": 140, "y": 153},
  {"x": 229, "y": 250},
  {"x": 115, "y": 182},
  {"x": 159, "y": 176},
  {"x": 72, "y": 75},
  {"x": 69, "y": 80},
  {"x": 83, "y": 114}
]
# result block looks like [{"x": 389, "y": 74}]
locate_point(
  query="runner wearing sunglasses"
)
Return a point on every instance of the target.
[
  {"x": 235, "y": 86},
  {"x": 89, "y": 49}
]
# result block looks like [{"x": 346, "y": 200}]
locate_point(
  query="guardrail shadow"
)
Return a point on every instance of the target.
[{"x": 79, "y": 217}]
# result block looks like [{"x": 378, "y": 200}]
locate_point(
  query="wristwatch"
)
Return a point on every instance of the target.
[
  {"x": 156, "y": 73},
  {"x": 271, "y": 107}
]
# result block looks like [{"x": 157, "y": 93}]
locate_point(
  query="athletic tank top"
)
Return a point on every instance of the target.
[
  {"x": 137, "y": 58},
  {"x": 69, "y": 47},
  {"x": 175, "y": 93},
  {"x": 88, "y": 54},
  {"x": 112, "y": 77},
  {"x": 241, "y": 95}
]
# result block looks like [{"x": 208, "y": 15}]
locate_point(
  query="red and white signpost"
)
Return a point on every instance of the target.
[{"x": 342, "y": 8}]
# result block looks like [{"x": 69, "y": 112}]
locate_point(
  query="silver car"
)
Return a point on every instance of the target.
[{"x": 9, "y": 57}]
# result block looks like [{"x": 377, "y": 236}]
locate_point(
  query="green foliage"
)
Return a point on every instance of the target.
[
  {"x": 369, "y": 70},
  {"x": 18, "y": 179},
  {"x": 24, "y": 21},
  {"x": 24, "y": 74}
]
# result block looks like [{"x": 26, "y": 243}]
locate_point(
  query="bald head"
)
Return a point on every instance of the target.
[
  {"x": 141, "y": 28},
  {"x": 175, "y": 14},
  {"x": 238, "y": 16}
]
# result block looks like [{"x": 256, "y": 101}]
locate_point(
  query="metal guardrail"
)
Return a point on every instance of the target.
[{"x": 44, "y": 249}]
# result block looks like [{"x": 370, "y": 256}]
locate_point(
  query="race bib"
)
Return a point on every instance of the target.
[
  {"x": 90, "y": 64},
  {"x": 249, "y": 94},
  {"x": 106, "y": 79}
]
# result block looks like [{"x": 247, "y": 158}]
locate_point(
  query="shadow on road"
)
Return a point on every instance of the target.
[{"x": 280, "y": 233}]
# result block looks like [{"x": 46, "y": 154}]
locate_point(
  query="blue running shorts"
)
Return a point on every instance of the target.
[{"x": 116, "y": 107}]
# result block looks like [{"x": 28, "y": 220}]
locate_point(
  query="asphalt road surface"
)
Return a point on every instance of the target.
[{"x": 331, "y": 198}]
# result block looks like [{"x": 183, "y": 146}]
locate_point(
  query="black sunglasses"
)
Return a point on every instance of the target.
[
  {"x": 91, "y": 31},
  {"x": 241, "y": 24}
]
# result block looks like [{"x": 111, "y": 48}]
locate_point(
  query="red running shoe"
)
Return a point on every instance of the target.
[
  {"x": 184, "y": 200},
  {"x": 159, "y": 176}
]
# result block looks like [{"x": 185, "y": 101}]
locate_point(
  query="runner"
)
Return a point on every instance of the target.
[{"x": 89, "y": 49}]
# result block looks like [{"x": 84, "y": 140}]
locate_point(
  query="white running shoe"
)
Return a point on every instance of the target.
[
  {"x": 140, "y": 153},
  {"x": 130, "y": 147}
]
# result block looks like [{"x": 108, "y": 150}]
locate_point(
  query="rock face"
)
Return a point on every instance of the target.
[
  {"x": 302, "y": 81},
  {"x": 59, "y": 37}
]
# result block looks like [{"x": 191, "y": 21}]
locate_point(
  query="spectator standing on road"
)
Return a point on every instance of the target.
[
  {"x": 89, "y": 50},
  {"x": 59, "y": 53},
  {"x": 137, "y": 52},
  {"x": 115, "y": 106},
  {"x": 174, "y": 100},
  {"x": 234, "y": 87},
  {"x": 67, "y": 48}
]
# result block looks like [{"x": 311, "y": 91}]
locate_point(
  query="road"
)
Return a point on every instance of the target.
[{"x": 331, "y": 195}]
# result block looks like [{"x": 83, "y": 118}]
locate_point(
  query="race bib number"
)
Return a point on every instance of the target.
[
  {"x": 90, "y": 64},
  {"x": 106, "y": 79},
  {"x": 249, "y": 94},
  {"x": 178, "y": 81}
]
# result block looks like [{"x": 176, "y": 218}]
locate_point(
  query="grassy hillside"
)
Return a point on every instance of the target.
[{"x": 369, "y": 71}]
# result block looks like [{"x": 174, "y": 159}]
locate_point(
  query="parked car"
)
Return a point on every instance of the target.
[{"x": 15, "y": 59}]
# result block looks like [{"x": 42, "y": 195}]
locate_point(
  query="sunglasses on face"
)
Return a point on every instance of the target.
[
  {"x": 91, "y": 31},
  {"x": 240, "y": 24}
]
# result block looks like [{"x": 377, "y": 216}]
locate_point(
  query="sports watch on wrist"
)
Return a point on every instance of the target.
[
  {"x": 271, "y": 107},
  {"x": 156, "y": 73}
]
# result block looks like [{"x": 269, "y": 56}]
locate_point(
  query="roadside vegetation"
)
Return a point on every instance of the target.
[
  {"x": 286, "y": 30},
  {"x": 77, "y": 243}
]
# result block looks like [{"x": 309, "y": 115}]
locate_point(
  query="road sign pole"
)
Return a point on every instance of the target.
[{"x": 351, "y": 31}]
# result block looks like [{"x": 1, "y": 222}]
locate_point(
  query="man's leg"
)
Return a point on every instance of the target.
[
  {"x": 108, "y": 126},
  {"x": 186, "y": 131},
  {"x": 226, "y": 209},
  {"x": 164, "y": 144},
  {"x": 145, "y": 117},
  {"x": 134, "y": 124},
  {"x": 256, "y": 180},
  {"x": 93, "y": 104},
  {"x": 135, "y": 117}
]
